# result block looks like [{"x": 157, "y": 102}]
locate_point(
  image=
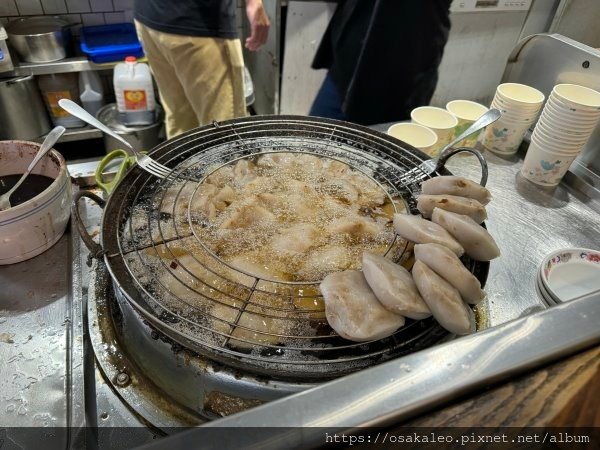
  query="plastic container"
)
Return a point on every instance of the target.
[
  {"x": 57, "y": 86},
  {"x": 134, "y": 92},
  {"x": 6, "y": 64},
  {"x": 107, "y": 43},
  {"x": 91, "y": 92}
]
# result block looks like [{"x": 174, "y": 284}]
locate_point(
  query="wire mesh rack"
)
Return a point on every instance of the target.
[{"x": 160, "y": 262}]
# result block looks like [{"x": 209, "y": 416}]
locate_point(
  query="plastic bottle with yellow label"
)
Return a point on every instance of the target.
[
  {"x": 134, "y": 92},
  {"x": 55, "y": 87}
]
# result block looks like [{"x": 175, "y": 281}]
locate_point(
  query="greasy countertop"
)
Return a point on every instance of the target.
[{"x": 41, "y": 330}]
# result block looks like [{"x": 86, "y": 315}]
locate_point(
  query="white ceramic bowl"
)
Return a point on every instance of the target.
[
  {"x": 570, "y": 273},
  {"x": 28, "y": 229}
]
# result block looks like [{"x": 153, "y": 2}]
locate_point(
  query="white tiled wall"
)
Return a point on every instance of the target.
[{"x": 85, "y": 12}]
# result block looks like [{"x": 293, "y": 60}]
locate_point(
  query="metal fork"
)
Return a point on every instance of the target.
[
  {"x": 429, "y": 166},
  {"x": 145, "y": 162}
]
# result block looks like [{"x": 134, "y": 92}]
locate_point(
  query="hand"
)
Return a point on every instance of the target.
[{"x": 259, "y": 24}]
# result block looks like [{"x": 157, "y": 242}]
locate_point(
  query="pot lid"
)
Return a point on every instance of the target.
[
  {"x": 109, "y": 116},
  {"x": 14, "y": 80}
]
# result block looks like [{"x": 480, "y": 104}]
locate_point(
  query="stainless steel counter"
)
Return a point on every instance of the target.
[{"x": 42, "y": 333}]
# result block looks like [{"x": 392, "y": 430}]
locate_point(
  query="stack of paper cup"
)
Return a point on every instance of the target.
[
  {"x": 520, "y": 106},
  {"x": 569, "y": 118}
]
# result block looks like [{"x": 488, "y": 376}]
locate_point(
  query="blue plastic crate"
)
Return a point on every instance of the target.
[{"x": 108, "y": 43}]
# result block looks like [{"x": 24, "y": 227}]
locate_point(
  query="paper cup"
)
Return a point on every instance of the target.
[
  {"x": 553, "y": 134},
  {"x": 569, "y": 114},
  {"x": 520, "y": 94},
  {"x": 567, "y": 122},
  {"x": 555, "y": 147},
  {"x": 543, "y": 167},
  {"x": 504, "y": 137},
  {"x": 578, "y": 97},
  {"x": 507, "y": 115},
  {"x": 438, "y": 120},
  {"x": 515, "y": 108},
  {"x": 414, "y": 134},
  {"x": 467, "y": 112}
]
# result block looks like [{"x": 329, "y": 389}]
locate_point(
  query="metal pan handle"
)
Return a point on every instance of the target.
[
  {"x": 96, "y": 250},
  {"x": 441, "y": 163}
]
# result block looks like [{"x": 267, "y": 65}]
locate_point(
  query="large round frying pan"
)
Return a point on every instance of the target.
[{"x": 141, "y": 247}]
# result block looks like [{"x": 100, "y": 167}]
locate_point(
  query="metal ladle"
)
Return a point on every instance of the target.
[{"x": 46, "y": 146}]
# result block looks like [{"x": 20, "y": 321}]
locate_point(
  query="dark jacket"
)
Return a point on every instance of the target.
[{"x": 383, "y": 55}]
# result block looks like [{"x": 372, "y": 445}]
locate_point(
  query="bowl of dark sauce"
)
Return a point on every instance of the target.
[{"x": 40, "y": 207}]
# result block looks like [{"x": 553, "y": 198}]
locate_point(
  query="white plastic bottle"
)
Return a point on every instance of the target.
[
  {"x": 91, "y": 92},
  {"x": 134, "y": 92}
]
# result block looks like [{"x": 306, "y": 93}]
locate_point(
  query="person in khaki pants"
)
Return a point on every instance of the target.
[{"x": 196, "y": 57}]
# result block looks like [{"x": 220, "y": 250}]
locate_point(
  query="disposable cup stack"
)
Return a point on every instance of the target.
[
  {"x": 567, "y": 121},
  {"x": 520, "y": 106}
]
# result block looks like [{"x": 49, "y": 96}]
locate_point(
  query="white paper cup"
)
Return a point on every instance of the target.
[
  {"x": 556, "y": 144},
  {"x": 555, "y": 147},
  {"x": 587, "y": 117},
  {"x": 516, "y": 113},
  {"x": 543, "y": 167},
  {"x": 438, "y": 120},
  {"x": 467, "y": 112},
  {"x": 504, "y": 137},
  {"x": 507, "y": 115},
  {"x": 520, "y": 94},
  {"x": 516, "y": 108},
  {"x": 578, "y": 97},
  {"x": 560, "y": 137},
  {"x": 414, "y": 134},
  {"x": 567, "y": 122}
]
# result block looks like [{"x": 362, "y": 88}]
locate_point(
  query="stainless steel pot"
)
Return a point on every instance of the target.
[
  {"x": 22, "y": 112},
  {"x": 40, "y": 39},
  {"x": 141, "y": 137}
]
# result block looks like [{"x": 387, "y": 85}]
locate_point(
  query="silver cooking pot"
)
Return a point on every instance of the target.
[
  {"x": 40, "y": 39},
  {"x": 22, "y": 111},
  {"x": 141, "y": 137}
]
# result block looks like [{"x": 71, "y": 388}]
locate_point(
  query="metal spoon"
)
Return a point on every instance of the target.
[{"x": 46, "y": 146}]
